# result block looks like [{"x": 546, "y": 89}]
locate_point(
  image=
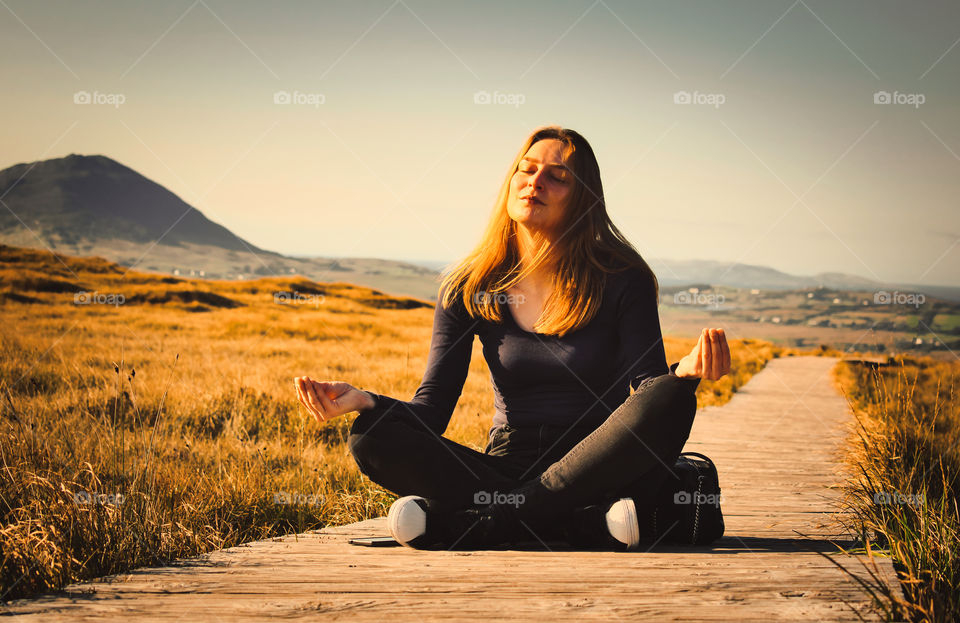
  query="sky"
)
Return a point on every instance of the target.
[{"x": 808, "y": 136}]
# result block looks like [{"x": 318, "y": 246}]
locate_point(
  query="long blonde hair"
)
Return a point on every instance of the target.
[{"x": 590, "y": 248}]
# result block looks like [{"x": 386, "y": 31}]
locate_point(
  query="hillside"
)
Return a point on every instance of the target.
[
  {"x": 87, "y": 198},
  {"x": 34, "y": 276},
  {"x": 93, "y": 205}
]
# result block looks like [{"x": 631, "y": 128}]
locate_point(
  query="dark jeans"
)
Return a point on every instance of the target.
[{"x": 556, "y": 468}]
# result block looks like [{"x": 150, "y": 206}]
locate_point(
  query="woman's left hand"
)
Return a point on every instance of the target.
[{"x": 709, "y": 359}]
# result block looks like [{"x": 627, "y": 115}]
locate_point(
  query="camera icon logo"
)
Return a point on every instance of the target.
[
  {"x": 882, "y": 298},
  {"x": 482, "y": 497},
  {"x": 281, "y": 97},
  {"x": 682, "y": 97},
  {"x": 81, "y": 97},
  {"x": 882, "y": 97},
  {"x": 682, "y": 497},
  {"x": 481, "y": 97}
]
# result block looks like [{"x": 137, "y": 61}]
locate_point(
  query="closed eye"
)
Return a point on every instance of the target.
[{"x": 558, "y": 178}]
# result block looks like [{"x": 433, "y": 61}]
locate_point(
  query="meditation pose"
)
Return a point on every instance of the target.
[{"x": 588, "y": 418}]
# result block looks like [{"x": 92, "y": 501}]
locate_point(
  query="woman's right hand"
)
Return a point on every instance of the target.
[{"x": 328, "y": 399}]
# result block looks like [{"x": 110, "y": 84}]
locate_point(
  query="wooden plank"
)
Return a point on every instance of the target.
[{"x": 777, "y": 445}]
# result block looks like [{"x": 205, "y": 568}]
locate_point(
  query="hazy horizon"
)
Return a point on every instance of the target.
[{"x": 329, "y": 129}]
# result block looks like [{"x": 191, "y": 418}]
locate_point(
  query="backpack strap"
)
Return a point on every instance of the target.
[{"x": 700, "y": 456}]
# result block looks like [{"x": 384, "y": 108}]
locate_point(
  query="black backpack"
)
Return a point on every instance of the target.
[{"x": 687, "y": 508}]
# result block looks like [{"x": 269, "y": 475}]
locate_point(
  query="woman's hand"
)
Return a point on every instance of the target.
[
  {"x": 328, "y": 399},
  {"x": 709, "y": 359}
]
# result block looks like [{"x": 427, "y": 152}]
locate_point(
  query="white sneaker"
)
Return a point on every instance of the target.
[
  {"x": 407, "y": 519},
  {"x": 622, "y": 522}
]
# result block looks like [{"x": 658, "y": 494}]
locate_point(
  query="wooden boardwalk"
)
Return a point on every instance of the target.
[{"x": 776, "y": 445}]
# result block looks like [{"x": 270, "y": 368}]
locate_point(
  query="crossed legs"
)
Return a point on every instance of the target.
[{"x": 630, "y": 454}]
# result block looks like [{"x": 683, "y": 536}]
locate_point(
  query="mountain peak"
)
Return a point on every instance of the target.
[{"x": 93, "y": 197}]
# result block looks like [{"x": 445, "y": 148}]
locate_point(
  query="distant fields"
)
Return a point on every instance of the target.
[{"x": 883, "y": 322}]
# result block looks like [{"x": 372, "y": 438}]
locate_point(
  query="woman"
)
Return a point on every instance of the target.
[{"x": 566, "y": 310}]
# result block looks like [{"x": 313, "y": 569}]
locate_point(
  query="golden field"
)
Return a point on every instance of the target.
[
  {"x": 903, "y": 496},
  {"x": 152, "y": 417}
]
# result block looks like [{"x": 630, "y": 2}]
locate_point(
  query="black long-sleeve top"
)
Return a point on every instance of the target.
[{"x": 577, "y": 380}]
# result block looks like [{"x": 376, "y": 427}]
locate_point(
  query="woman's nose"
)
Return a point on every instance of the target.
[{"x": 535, "y": 180}]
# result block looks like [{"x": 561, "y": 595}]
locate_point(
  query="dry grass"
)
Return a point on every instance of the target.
[
  {"x": 181, "y": 401},
  {"x": 903, "y": 496}
]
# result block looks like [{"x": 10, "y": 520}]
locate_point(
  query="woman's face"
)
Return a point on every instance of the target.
[{"x": 541, "y": 187}]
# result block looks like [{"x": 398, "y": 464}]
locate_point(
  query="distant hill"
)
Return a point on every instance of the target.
[
  {"x": 676, "y": 273},
  {"x": 80, "y": 198},
  {"x": 92, "y": 205}
]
